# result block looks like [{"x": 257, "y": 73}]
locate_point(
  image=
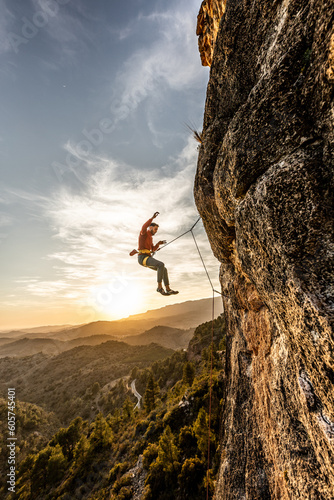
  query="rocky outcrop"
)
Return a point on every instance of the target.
[
  {"x": 138, "y": 476},
  {"x": 264, "y": 189},
  {"x": 208, "y": 19}
]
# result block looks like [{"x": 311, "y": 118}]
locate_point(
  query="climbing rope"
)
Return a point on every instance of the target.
[
  {"x": 191, "y": 230},
  {"x": 186, "y": 232},
  {"x": 192, "y": 233},
  {"x": 211, "y": 363},
  {"x": 210, "y": 397}
]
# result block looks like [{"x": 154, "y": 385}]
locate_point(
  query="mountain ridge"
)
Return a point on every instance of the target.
[{"x": 182, "y": 315}]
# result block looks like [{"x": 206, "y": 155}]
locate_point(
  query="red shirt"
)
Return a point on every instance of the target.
[{"x": 145, "y": 241}]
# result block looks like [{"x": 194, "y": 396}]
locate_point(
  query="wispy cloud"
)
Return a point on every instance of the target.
[
  {"x": 6, "y": 22},
  {"x": 60, "y": 21},
  {"x": 33, "y": 286},
  {"x": 169, "y": 63},
  {"x": 5, "y": 219},
  {"x": 96, "y": 228},
  {"x": 100, "y": 226},
  {"x": 66, "y": 29},
  {"x": 115, "y": 197}
]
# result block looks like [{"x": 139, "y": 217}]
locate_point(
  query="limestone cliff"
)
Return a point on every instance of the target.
[
  {"x": 264, "y": 188},
  {"x": 208, "y": 19}
]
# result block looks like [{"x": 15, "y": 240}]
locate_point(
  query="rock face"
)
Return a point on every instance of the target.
[
  {"x": 264, "y": 188},
  {"x": 208, "y": 19}
]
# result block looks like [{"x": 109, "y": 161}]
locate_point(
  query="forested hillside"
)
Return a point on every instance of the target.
[
  {"x": 71, "y": 384},
  {"x": 158, "y": 451}
]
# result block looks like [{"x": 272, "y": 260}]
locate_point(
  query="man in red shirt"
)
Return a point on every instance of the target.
[{"x": 145, "y": 250}]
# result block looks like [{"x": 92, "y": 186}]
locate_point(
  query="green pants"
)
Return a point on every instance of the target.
[{"x": 156, "y": 265}]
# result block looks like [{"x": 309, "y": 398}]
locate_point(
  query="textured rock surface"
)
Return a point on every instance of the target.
[
  {"x": 264, "y": 188},
  {"x": 208, "y": 19}
]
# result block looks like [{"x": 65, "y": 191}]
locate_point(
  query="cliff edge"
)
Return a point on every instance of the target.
[{"x": 264, "y": 188}]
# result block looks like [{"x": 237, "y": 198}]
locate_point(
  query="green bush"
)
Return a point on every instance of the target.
[
  {"x": 119, "y": 484},
  {"x": 150, "y": 454},
  {"x": 191, "y": 478}
]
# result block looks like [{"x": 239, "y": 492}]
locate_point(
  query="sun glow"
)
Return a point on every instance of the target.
[{"x": 118, "y": 299}]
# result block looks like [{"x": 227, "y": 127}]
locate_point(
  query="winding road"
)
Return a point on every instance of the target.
[{"x": 135, "y": 393}]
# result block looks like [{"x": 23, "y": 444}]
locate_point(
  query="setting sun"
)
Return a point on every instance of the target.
[{"x": 118, "y": 298}]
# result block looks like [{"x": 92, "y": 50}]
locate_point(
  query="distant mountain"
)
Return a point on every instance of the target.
[
  {"x": 38, "y": 329},
  {"x": 201, "y": 306},
  {"x": 173, "y": 338},
  {"x": 47, "y": 329},
  {"x": 29, "y": 346},
  {"x": 5, "y": 340},
  {"x": 184, "y": 315},
  {"x": 92, "y": 340}
]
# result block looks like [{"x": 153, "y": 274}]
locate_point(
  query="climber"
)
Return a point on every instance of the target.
[{"x": 145, "y": 251}]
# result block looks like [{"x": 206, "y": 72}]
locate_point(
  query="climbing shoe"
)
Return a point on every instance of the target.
[
  {"x": 162, "y": 291},
  {"x": 172, "y": 292}
]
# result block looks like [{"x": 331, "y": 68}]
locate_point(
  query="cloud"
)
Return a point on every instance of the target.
[
  {"x": 40, "y": 288},
  {"x": 13, "y": 195},
  {"x": 60, "y": 20},
  {"x": 60, "y": 24},
  {"x": 95, "y": 229},
  {"x": 99, "y": 226},
  {"x": 115, "y": 193},
  {"x": 6, "y": 22},
  {"x": 5, "y": 220},
  {"x": 65, "y": 28},
  {"x": 170, "y": 62}
]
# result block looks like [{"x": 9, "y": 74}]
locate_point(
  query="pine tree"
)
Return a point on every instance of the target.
[
  {"x": 102, "y": 435},
  {"x": 56, "y": 465},
  {"x": 150, "y": 394},
  {"x": 188, "y": 373},
  {"x": 201, "y": 429},
  {"x": 168, "y": 452},
  {"x": 38, "y": 476},
  {"x": 67, "y": 438},
  {"x": 191, "y": 478},
  {"x": 81, "y": 451},
  {"x": 127, "y": 408}
]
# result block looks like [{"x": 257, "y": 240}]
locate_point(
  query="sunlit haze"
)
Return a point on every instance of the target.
[{"x": 94, "y": 101}]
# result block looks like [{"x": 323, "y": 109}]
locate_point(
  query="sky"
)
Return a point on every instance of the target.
[{"x": 94, "y": 98}]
